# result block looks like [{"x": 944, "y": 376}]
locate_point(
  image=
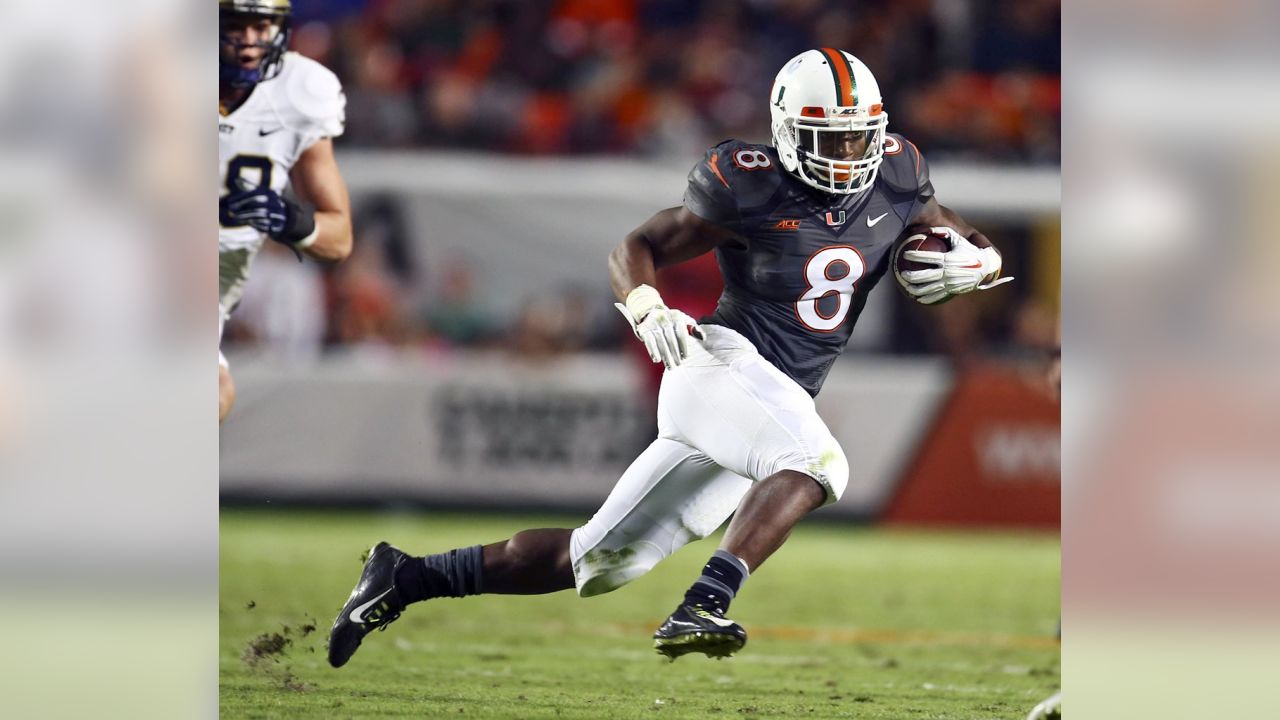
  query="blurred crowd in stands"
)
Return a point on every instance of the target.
[
  {"x": 967, "y": 80},
  {"x": 973, "y": 79}
]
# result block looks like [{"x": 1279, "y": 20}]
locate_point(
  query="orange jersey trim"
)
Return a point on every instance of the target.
[
  {"x": 913, "y": 147},
  {"x": 715, "y": 168}
]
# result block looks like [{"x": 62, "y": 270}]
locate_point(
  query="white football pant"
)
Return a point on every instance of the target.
[{"x": 726, "y": 418}]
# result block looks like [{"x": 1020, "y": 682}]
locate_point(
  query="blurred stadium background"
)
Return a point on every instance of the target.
[{"x": 468, "y": 353}]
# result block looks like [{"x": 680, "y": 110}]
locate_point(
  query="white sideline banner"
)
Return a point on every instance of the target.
[{"x": 488, "y": 429}]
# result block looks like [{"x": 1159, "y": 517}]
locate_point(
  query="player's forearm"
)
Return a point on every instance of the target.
[
  {"x": 935, "y": 213},
  {"x": 316, "y": 180},
  {"x": 631, "y": 265},
  {"x": 333, "y": 237},
  {"x": 670, "y": 237},
  {"x": 980, "y": 240}
]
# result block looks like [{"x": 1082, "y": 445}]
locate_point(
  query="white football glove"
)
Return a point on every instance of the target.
[
  {"x": 957, "y": 271},
  {"x": 664, "y": 332}
]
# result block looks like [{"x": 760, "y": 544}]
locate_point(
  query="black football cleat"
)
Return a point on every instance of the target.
[
  {"x": 374, "y": 603},
  {"x": 693, "y": 629}
]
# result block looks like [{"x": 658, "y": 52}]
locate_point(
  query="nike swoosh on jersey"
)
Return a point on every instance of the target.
[
  {"x": 272, "y": 131},
  {"x": 358, "y": 612},
  {"x": 872, "y": 223}
]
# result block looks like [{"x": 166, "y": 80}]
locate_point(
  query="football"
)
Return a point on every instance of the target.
[{"x": 917, "y": 237}]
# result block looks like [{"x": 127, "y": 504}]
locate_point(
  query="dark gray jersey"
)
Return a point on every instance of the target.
[{"x": 809, "y": 259}]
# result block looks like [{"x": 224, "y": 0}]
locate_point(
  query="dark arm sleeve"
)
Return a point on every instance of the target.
[
  {"x": 708, "y": 194},
  {"x": 924, "y": 186}
]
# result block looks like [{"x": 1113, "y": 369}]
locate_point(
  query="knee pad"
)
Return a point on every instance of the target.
[
  {"x": 598, "y": 569},
  {"x": 830, "y": 468},
  {"x": 837, "y": 470}
]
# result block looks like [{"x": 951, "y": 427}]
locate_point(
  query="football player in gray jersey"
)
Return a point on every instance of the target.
[{"x": 802, "y": 229}]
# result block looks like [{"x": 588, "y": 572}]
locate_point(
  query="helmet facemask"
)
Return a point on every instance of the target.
[
  {"x": 276, "y": 42},
  {"x": 837, "y": 151}
]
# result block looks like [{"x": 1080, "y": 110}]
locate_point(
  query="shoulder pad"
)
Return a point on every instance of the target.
[
  {"x": 314, "y": 95},
  {"x": 752, "y": 172},
  {"x": 904, "y": 168}
]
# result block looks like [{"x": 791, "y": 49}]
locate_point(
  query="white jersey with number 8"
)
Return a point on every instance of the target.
[{"x": 259, "y": 142}]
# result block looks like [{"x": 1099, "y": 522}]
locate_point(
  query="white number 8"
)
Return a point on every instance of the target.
[
  {"x": 751, "y": 159},
  {"x": 817, "y": 273}
]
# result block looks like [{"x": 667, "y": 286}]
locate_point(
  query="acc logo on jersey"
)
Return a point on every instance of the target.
[{"x": 891, "y": 145}]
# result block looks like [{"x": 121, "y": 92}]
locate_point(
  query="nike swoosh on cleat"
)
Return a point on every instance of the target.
[
  {"x": 872, "y": 223},
  {"x": 359, "y": 609},
  {"x": 976, "y": 266},
  {"x": 719, "y": 621}
]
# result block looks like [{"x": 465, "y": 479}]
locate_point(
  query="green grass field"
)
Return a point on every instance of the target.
[{"x": 856, "y": 623}]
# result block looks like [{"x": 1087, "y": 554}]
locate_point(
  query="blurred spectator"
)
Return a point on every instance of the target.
[
  {"x": 366, "y": 301},
  {"x": 1035, "y": 330},
  {"x": 453, "y": 314},
  {"x": 569, "y": 320},
  {"x": 543, "y": 330},
  {"x": 379, "y": 221},
  {"x": 283, "y": 307}
]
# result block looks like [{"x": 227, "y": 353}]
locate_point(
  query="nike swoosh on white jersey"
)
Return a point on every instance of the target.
[
  {"x": 358, "y": 611},
  {"x": 872, "y": 223}
]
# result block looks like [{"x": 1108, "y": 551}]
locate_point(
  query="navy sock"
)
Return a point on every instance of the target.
[
  {"x": 721, "y": 578},
  {"x": 456, "y": 573}
]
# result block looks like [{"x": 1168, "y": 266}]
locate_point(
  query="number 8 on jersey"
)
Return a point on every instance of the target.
[{"x": 830, "y": 271}]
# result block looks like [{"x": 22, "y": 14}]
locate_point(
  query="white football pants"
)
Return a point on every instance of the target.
[{"x": 726, "y": 418}]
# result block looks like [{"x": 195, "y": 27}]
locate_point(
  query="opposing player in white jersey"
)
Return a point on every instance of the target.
[{"x": 278, "y": 113}]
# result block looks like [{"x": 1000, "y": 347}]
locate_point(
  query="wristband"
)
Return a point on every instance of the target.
[
  {"x": 309, "y": 240},
  {"x": 300, "y": 231},
  {"x": 642, "y": 300}
]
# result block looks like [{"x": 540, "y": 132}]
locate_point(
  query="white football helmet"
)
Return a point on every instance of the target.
[{"x": 828, "y": 121}]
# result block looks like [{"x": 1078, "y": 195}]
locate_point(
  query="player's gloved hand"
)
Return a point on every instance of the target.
[
  {"x": 664, "y": 332},
  {"x": 960, "y": 270},
  {"x": 267, "y": 211}
]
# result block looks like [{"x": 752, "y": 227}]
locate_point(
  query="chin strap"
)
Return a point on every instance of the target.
[{"x": 238, "y": 77}]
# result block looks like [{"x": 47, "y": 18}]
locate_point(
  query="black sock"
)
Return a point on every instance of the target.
[
  {"x": 449, "y": 574},
  {"x": 721, "y": 578}
]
